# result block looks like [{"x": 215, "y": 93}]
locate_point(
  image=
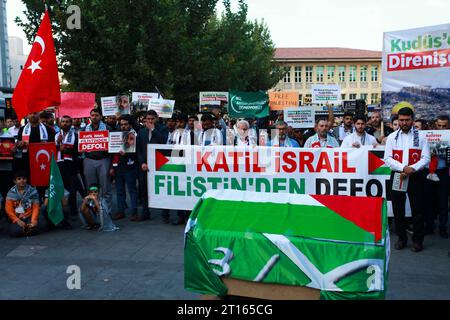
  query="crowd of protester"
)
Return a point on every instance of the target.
[{"x": 91, "y": 175}]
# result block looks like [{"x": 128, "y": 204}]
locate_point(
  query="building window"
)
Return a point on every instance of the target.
[
  {"x": 341, "y": 73},
  {"x": 374, "y": 98},
  {"x": 300, "y": 97},
  {"x": 352, "y": 96},
  {"x": 352, "y": 74},
  {"x": 330, "y": 73},
  {"x": 287, "y": 76},
  {"x": 343, "y": 96},
  {"x": 298, "y": 74},
  {"x": 308, "y": 72},
  {"x": 363, "y": 73},
  {"x": 364, "y": 96},
  {"x": 319, "y": 73},
  {"x": 374, "y": 74}
]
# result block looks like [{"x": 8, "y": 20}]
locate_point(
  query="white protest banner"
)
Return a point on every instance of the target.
[
  {"x": 110, "y": 106},
  {"x": 164, "y": 108},
  {"x": 209, "y": 99},
  {"x": 438, "y": 140},
  {"x": 326, "y": 93},
  {"x": 416, "y": 70},
  {"x": 302, "y": 117},
  {"x": 140, "y": 100},
  {"x": 89, "y": 141},
  {"x": 179, "y": 176},
  {"x": 122, "y": 141}
]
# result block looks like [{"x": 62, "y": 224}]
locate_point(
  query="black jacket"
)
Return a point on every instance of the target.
[{"x": 142, "y": 142}]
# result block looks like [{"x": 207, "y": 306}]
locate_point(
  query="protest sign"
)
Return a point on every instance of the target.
[
  {"x": 140, "y": 100},
  {"x": 326, "y": 93},
  {"x": 76, "y": 104},
  {"x": 248, "y": 104},
  {"x": 282, "y": 100},
  {"x": 302, "y": 117},
  {"x": 164, "y": 108},
  {"x": 416, "y": 70},
  {"x": 122, "y": 141},
  {"x": 89, "y": 141},
  {"x": 123, "y": 103},
  {"x": 179, "y": 176},
  {"x": 6, "y": 148},
  {"x": 210, "y": 99},
  {"x": 438, "y": 140},
  {"x": 110, "y": 106}
]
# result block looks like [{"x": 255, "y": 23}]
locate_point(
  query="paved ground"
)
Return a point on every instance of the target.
[{"x": 145, "y": 261}]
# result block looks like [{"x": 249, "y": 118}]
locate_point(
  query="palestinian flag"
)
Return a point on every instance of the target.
[
  {"x": 326, "y": 243},
  {"x": 377, "y": 165},
  {"x": 170, "y": 160}
]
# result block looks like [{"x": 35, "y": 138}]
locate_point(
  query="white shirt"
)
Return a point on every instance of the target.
[
  {"x": 403, "y": 144},
  {"x": 349, "y": 140},
  {"x": 211, "y": 137},
  {"x": 14, "y": 131}
]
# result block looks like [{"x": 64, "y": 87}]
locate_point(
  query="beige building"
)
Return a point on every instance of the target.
[{"x": 358, "y": 72}]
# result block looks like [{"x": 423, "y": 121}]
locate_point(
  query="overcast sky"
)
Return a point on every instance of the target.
[{"x": 325, "y": 23}]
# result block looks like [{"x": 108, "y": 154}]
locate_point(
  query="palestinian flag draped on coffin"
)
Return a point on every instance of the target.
[{"x": 336, "y": 244}]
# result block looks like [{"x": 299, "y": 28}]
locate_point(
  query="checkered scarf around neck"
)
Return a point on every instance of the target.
[
  {"x": 27, "y": 198},
  {"x": 415, "y": 136}
]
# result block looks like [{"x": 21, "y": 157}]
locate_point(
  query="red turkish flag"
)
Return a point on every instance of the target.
[
  {"x": 38, "y": 85},
  {"x": 40, "y": 160}
]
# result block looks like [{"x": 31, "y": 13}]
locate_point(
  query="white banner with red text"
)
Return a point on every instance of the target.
[{"x": 179, "y": 175}]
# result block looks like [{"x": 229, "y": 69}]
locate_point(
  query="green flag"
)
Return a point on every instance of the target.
[
  {"x": 55, "y": 194},
  {"x": 248, "y": 104}
]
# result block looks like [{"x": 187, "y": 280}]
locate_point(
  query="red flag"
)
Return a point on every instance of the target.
[
  {"x": 38, "y": 85},
  {"x": 76, "y": 104},
  {"x": 40, "y": 161}
]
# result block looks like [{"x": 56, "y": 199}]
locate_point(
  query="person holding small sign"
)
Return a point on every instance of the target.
[{"x": 407, "y": 153}]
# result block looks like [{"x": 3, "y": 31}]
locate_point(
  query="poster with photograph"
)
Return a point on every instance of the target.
[
  {"x": 122, "y": 141},
  {"x": 415, "y": 71},
  {"x": 141, "y": 100},
  {"x": 124, "y": 106},
  {"x": 164, "y": 108},
  {"x": 110, "y": 106}
]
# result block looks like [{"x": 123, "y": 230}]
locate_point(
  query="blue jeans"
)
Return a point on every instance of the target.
[{"x": 128, "y": 177}]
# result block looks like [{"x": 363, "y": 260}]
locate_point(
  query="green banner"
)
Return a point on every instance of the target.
[
  {"x": 248, "y": 104},
  {"x": 301, "y": 241}
]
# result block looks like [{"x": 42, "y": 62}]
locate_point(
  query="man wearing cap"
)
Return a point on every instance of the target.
[{"x": 407, "y": 153}]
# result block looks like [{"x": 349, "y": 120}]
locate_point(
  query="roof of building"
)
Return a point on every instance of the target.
[{"x": 325, "y": 53}]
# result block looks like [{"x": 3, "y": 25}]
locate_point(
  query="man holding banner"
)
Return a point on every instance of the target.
[
  {"x": 322, "y": 139},
  {"x": 407, "y": 153}
]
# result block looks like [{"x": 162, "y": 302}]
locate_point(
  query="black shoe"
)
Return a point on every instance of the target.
[
  {"x": 417, "y": 247},
  {"x": 443, "y": 233},
  {"x": 400, "y": 245},
  {"x": 66, "y": 225}
]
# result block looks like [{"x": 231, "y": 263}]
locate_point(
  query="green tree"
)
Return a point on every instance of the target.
[{"x": 180, "y": 46}]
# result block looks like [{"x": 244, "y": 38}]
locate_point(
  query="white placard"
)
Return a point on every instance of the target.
[
  {"x": 326, "y": 93},
  {"x": 110, "y": 106},
  {"x": 164, "y": 108},
  {"x": 302, "y": 117},
  {"x": 122, "y": 141}
]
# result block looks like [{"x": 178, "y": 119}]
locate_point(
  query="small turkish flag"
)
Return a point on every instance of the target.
[
  {"x": 414, "y": 156},
  {"x": 40, "y": 160},
  {"x": 38, "y": 85}
]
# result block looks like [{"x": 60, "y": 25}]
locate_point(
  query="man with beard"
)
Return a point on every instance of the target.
[
  {"x": 377, "y": 128},
  {"x": 281, "y": 139},
  {"x": 210, "y": 136},
  {"x": 33, "y": 132},
  {"x": 407, "y": 153},
  {"x": 67, "y": 155},
  {"x": 322, "y": 139},
  {"x": 345, "y": 129},
  {"x": 360, "y": 137},
  {"x": 96, "y": 164}
]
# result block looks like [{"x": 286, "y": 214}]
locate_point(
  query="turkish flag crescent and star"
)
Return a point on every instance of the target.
[
  {"x": 38, "y": 85},
  {"x": 40, "y": 161}
]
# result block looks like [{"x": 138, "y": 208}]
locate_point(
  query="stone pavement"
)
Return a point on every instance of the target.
[{"x": 144, "y": 260}]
